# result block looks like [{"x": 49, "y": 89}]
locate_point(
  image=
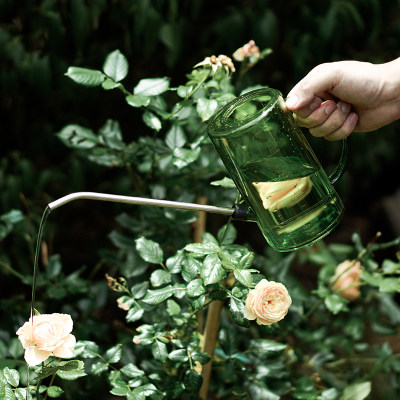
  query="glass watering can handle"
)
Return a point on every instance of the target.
[{"x": 343, "y": 161}]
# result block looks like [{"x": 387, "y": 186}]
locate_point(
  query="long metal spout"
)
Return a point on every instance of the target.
[{"x": 140, "y": 201}]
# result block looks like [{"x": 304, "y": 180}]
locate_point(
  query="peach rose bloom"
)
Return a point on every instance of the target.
[
  {"x": 267, "y": 303},
  {"x": 276, "y": 195},
  {"x": 347, "y": 279},
  {"x": 47, "y": 334}
]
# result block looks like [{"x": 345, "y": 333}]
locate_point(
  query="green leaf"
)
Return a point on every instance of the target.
[
  {"x": 71, "y": 365},
  {"x": 335, "y": 304},
  {"x": 389, "y": 266},
  {"x": 183, "y": 157},
  {"x": 389, "y": 285},
  {"x": 21, "y": 394},
  {"x": 6, "y": 393},
  {"x": 78, "y": 137},
  {"x": 131, "y": 370},
  {"x": 159, "y": 295},
  {"x": 116, "y": 66},
  {"x": 54, "y": 391},
  {"x": 113, "y": 355},
  {"x": 266, "y": 347},
  {"x": 173, "y": 308},
  {"x": 195, "y": 288},
  {"x": 120, "y": 391},
  {"x": 159, "y": 350},
  {"x": 236, "y": 307},
  {"x": 152, "y": 121},
  {"x": 70, "y": 375},
  {"x": 98, "y": 368},
  {"x": 212, "y": 270},
  {"x": 246, "y": 261},
  {"x": 201, "y": 357},
  {"x": 244, "y": 277},
  {"x": 86, "y": 349},
  {"x": 160, "y": 277},
  {"x": 192, "y": 380},
  {"x": 190, "y": 268},
  {"x": 134, "y": 313},
  {"x": 179, "y": 355},
  {"x": 227, "y": 234},
  {"x": 151, "y": 86},
  {"x": 330, "y": 394},
  {"x": 225, "y": 183},
  {"x": 149, "y": 250},
  {"x": 201, "y": 248},
  {"x": 357, "y": 391},
  {"x": 11, "y": 376},
  {"x": 12, "y": 217},
  {"x": 138, "y": 100},
  {"x": 85, "y": 76},
  {"x": 175, "y": 137},
  {"x": 206, "y": 108}
]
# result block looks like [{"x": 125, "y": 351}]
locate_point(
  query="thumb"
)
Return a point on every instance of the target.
[{"x": 321, "y": 79}]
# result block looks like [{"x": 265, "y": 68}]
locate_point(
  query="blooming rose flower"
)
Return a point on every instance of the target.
[
  {"x": 217, "y": 63},
  {"x": 347, "y": 279},
  {"x": 267, "y": 303},
  {"x": 47, "y": 334},
  {"x": 276, "y": 195}
]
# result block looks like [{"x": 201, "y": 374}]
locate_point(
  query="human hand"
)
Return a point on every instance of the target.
[{"x": 337, "y": 98}]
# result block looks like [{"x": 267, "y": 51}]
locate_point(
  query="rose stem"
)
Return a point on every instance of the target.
[{"x": 199, "y": 227}]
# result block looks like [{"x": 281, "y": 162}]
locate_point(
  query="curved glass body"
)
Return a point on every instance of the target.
[{"x": 275, "y": 170}]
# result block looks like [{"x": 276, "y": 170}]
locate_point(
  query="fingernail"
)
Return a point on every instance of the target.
[
  {"x": 330, "y": 108},
  {"x": 314, "y": 105},
  {"x": 292, "y": 101},
  {"x": 345, "y": 107},
  {"x": 353, "y": 118}
]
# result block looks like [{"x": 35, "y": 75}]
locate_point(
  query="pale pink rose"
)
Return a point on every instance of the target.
[
  {"x": 47, "y": 334},
  {"x": 267, "y": 303},
  {"x": 347, "y": 279},
  {"x": 248, "y": 50},
  {"x": 277, "y": 195}
]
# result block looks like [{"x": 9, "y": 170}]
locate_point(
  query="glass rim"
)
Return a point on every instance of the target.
[{"x": 221, "y": 123}]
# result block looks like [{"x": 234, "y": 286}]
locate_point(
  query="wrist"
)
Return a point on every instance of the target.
[{"x": 392, "y": 86}]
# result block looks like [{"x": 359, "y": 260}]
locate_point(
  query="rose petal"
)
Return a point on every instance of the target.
[
  {"x": 34, "y": 356},
  {"x": 66, "y": 350}
]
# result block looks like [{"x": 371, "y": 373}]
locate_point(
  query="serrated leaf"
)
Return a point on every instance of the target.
[
  {"x": 54, "y": 391},
  {"x": 131, "y": 370},
  {"x": 236, "y": 307},
  {"x": 159, "y": 350},
  {"x": 149, "y": 250},
  {"x": 86, "y": 349},
  {"x": 190, "y": 269},
  {"x": 193, "y": 380},
  {"x": 195, "y": 288},
  {"x": 152, "y": 86},
  {"x": 183, "y": 157},
  {"x": 113, "y": 355},
  {"x": 85, "y": 76},
  {"x": 212, "y": 270},
  {"x": 160, "y": 277},
  {"x": 244, "y": 277},
  {"x": 159, "y": 295},
  {"x": 175, "y": 137},
  {"x": 201, "y": 248},
  {"x": 201, "y": 357},
  {"x": 116, "y": 66},
  {"x": 206, "y": 108},
  {"x": 134, "y": 314},
  {"x": 227, "y": 234},
  {"x": 11, "y": 376},
  {"x": 179, "y": 355}
]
